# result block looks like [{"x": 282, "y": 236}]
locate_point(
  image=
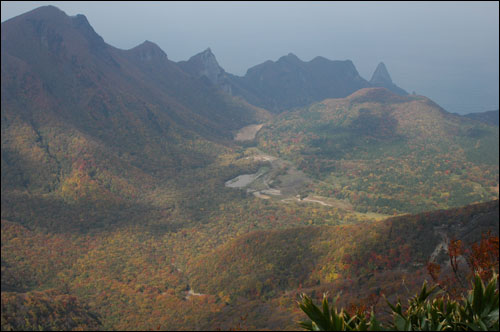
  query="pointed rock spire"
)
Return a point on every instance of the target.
[
  {"x": 381, "y": 78},
  {"x": 381, "y": 75}
]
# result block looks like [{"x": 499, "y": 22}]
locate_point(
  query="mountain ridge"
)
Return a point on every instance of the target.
[
  {"x": 116, "y": 209},
  {"x": 488, "y": 117},
  {"x": 329, "y": 253},
  {"x": 74, "y": 107},
  {"x": 289, "y": 82}
]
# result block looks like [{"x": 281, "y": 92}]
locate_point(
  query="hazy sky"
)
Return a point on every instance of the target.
[{"x": 447, "y": 51}]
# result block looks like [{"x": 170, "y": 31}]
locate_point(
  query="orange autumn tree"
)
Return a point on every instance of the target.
[
  {"x": 479, "y": 259},
  {"x": 455, "y": 308}
]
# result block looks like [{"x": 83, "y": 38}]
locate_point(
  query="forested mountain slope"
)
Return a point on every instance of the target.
[
  {"x": 85, "y": 123},
  {"x": 389, "y": 153},
  {"x": 265, "y": 263},
  {"x": 117, "y": 213}
]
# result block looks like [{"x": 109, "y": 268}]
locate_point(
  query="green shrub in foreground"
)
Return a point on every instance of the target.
[{"x": 477, "y": 311}]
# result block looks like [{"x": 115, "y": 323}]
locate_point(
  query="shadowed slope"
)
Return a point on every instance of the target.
[{"x": 266, "y": 263}]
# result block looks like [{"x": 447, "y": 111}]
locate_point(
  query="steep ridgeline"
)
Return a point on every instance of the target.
[
  {"x": 114, "y": 210},
  {"x": 204, "y": 65},
  {"x": 381, "y": 78},
  {"x": 215, "y": 109},
  {"x": 389, "y": 153},
  {"x": 284, "y": 84},
  {"x": 81, "y": 118},
  {"x": 71, "y": 63},
  {"x": 288, "y": 82}
]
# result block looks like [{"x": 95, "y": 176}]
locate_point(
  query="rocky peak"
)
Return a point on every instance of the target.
[
  {"x": 205, "y": 64},
  {"x": 60, "y": 34},
  {"x": 45, "y": 13},
  {"x": 81, "y": 24},
  {"x": 149, "y": 51},
  {"x": 290, "y": 58},
  {"x": 319, "y": 59},
  {"x": 207, "y": 54},
  {"x": 381, "y": 75},
  {"x": 381, "y": 78}
]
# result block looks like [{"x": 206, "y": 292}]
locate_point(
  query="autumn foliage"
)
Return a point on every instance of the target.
[{"x": 480, "y": 259}]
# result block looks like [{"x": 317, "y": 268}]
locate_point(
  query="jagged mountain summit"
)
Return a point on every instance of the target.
[
  {"x": 288, "y": 82},
  {"x": 291, "y": 82},
  {"x": 115, "y": 196},
  {"x": 205, "y": 64},
  {"x": 61, "y": 83},
  {"x": 76, "y": 67},
  {"x": 148, "y": 52},
  {"x": 381, "y": 78}
]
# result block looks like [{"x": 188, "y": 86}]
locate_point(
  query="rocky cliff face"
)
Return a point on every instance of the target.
[
  {"x": 205, "y": 64},
  {"x": 209, "y": 66}
]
